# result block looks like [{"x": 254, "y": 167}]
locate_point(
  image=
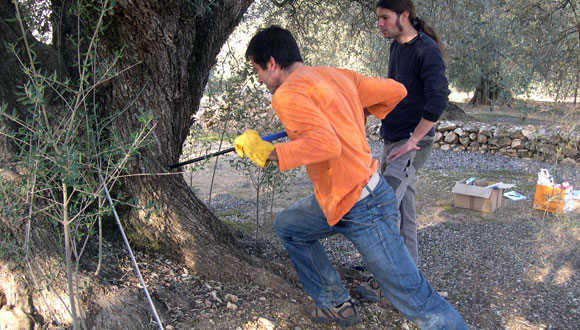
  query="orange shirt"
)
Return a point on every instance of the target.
[{"x": 321, "y": 109}]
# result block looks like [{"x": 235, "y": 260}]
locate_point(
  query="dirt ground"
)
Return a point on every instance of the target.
[{"x": 515, "y": 268}]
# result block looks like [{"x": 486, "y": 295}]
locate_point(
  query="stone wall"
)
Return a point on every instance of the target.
[{"x": 529, "y": 142}]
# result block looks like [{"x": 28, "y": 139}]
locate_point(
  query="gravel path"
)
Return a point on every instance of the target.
[
  {"x": 519, "y": 273},
  {"x": 499, "y": 271}
]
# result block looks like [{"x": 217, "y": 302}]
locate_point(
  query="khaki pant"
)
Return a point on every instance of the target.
[{"x": 401, "y": 175}]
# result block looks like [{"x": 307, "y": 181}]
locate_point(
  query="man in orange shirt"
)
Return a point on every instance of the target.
[{"x": 321, "y": 109}]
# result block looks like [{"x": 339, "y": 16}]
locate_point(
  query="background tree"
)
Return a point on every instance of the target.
[
  {"x": 552, "y": 47},
  {"x": 496, "y": 49},
  {"x": 159, "y": 56},
  {"x": 344, "y": 34}
]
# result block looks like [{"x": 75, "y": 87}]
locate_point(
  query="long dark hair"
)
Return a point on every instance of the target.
[{"x": 399, "y": 6}]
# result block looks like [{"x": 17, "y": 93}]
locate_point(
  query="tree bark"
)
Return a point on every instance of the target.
[
  {"x": 171, "y": 47},
  {"x": 174, "y": 45},
  {"x": 485, "y": 93}
]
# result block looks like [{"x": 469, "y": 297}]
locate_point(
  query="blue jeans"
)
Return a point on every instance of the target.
[{"x": 372, "y": 226}]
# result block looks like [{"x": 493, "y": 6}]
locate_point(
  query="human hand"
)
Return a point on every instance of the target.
[
  {"x": 251, "y": 144},
  {"x": 400, "y": 151}
]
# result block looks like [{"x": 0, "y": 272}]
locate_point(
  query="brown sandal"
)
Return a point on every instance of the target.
[{"x": 344, "y": 315}]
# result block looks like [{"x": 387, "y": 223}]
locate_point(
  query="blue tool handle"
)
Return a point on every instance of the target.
[
  {"x": 274, "y": 136},
  {"x": 268, "y": 138}
]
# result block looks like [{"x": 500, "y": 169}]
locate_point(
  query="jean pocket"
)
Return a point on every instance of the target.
[
  {"x": 387, "y": 222},
  {"x": 389, "y": 210},
  {"x": 359, "y": 217},
  {"x": 386, "y": 207}
]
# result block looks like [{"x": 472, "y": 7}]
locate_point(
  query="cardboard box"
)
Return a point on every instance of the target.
[
  {"x": 477, "y": 196},
  {"x": 553, "y": 200}
]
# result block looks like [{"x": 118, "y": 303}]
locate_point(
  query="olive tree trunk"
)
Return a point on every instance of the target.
[
  {"x": 169, "y": 48},
  {"x": 485, "y": 93}
]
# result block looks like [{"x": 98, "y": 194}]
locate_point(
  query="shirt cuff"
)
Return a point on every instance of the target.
[{"x": 430, "y": 116}]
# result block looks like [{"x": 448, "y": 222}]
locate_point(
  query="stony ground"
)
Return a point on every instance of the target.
[{"x": 515, "y": 268}]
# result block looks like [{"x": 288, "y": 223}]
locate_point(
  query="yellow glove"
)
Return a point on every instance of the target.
[{"x": 251, "y": 144}]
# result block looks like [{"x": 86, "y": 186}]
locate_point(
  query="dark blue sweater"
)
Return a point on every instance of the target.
[{"x": 417, "y": 64}]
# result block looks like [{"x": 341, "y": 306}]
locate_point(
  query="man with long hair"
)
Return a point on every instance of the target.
[
  {"x": 416, "y": 61},
  {"x": 321, "y": 109}
]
